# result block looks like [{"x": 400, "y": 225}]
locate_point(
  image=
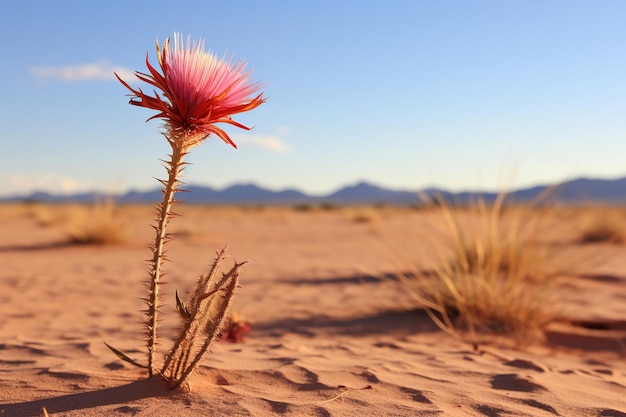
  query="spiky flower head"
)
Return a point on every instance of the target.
[{"x": 197, "y": 91}]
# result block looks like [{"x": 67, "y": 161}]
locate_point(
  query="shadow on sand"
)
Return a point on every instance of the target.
[
  {"x": 398, "y": 323},
  {"x": 38, "y": 246},
  {"x": 123, "y": 395}
]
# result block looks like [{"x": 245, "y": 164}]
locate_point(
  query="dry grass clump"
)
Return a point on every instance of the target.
[
  {"x": 363, "y": 215},
  {"x": 49, "y": 214},
  {"x": 602, "y": 233},
  {"x": 303, "y": 207},
  {"x": 602, "y": 226},
  {"x": 99, "y": 224},
  {"x": 15, "y": 210},
  {"x": 493, "y": 279},
  {"x": 44, "y": 216}
]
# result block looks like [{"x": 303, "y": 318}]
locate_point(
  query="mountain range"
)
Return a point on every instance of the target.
[{"x": 577, "y": 191}]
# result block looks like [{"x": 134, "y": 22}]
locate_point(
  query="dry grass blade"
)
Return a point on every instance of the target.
[{"x": 344, "y": 392}]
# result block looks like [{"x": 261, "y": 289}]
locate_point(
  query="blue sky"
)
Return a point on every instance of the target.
[{"x": 406, "y": 94}]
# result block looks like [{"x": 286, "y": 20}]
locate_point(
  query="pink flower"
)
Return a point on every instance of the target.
[{"x": 198, "y": 90}]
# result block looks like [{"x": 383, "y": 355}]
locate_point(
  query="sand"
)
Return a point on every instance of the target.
[{"x": 327, "y": 337}]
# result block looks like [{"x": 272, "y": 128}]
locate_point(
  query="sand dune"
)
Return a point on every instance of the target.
[{"x": 327, "y": 338}]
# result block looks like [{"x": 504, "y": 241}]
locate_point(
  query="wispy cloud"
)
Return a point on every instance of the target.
[
  {"x": 283, "y": 130},
  {"x": 271, "y": 143},
  {"x": 22, "y": 184},
  {"x": 99, "y": 71}
]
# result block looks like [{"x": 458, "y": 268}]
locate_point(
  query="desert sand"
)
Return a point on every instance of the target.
[{"x": 331, "y": 335}]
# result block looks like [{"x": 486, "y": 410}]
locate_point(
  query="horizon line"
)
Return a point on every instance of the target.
[{"x": 454, "y": 190}]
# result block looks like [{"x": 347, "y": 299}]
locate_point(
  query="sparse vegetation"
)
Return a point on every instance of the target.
[
  {"x": 602, "y": 233},
  {"x": 493, "y": 278},
  {"x": 364, "y": 215},
  {"x": 602, "y": 227},
  {"x": 44, "y": 216},
  {"x": 327, "y": 206},
  {"x": 98, "y": 224},
  {"x": 303, "y": 207}
]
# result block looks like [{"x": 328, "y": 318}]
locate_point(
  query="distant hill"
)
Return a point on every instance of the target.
[
  {"x": 364, "y": 192},
  {"x": 578, "y": 191}
]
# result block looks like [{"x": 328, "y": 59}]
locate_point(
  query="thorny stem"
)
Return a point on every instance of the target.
[{"x": 174, "y": 168}]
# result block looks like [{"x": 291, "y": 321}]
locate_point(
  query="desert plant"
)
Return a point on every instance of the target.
[
  {"x": 99, "y": 224},
  {"x": 44, "y": 215},
  {"x": 199, "y": 91},
  {"x": 364, "y": 215},
  {"x": 602, "y": 228},
  {"x": 303, "y": 207},
  {"x": 203, "y": 320},
  {"x": 599, "y": 233},
  {"x": 493, "y": 278}
]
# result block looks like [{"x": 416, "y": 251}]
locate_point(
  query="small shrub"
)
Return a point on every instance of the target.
[
  {"x": 303, "y": 207},
  {"x": 494, "y": 278},
  {"x": 98, "y": 225},
  {"x": 602, "y": 229},
  {"x": 48, "y": 215},
  {"x": 327, "y": 206},
  {"x": 365, "y": 216}
]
